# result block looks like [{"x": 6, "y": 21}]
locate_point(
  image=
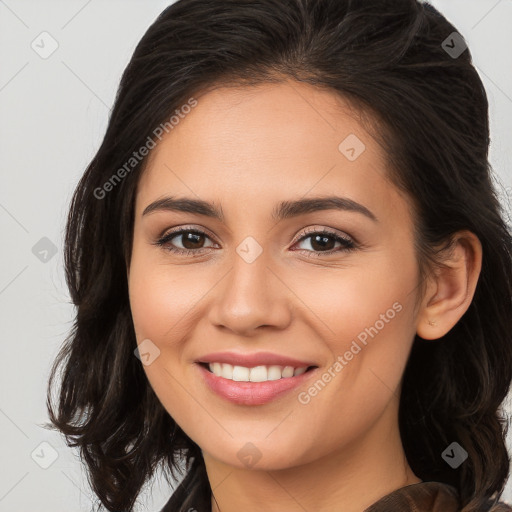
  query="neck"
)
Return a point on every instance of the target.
[{"x": 350, "y": 479}]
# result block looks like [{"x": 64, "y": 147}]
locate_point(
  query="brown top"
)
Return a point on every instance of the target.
[
  {"x": 422, "y": 497},
  {"x": 426, "y": 497}
]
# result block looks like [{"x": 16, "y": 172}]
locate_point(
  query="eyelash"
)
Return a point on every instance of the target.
[{"x": 348, "y": 244}]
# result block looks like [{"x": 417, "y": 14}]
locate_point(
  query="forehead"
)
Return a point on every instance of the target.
[
  {"x": 270, "y": 114},
  {"x": 268, "y": 140}
]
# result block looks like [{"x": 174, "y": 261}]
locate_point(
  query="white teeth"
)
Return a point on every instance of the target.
[
  {"x": 227, "y": 371},
  {"x": 258, "y": 374},
  {"x": 241, "y": 373},
  {"x": 287, "y": 371},
  {"x": 274, "y": 372},
  {"x": 255, "y": 374}
]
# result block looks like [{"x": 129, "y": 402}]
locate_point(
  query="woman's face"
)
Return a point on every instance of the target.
[{"x": 261, "y": 280}]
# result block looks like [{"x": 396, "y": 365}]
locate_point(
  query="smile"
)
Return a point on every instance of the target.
[{"x": 274, "y": 381}]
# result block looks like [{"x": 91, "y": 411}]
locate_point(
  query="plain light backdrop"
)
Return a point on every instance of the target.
[{"x": 53, "y": 114}]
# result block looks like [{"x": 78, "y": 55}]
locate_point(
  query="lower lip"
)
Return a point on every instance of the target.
[{"x": 252, "y": 393}]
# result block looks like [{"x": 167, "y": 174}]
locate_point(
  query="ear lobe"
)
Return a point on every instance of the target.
[{"x": 451, "y": 288}]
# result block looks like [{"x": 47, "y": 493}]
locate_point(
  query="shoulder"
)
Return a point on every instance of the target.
[{"x": 429, "y": 497}]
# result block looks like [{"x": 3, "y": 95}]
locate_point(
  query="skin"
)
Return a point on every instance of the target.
[{"x": 246, "y": 149}]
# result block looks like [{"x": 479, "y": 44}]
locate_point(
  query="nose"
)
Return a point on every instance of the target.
[{"x": 251, "y": 296}]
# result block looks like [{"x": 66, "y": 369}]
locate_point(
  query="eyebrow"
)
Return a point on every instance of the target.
[{"x": 284, "y": 210}]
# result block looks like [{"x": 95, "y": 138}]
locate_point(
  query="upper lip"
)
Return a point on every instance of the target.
[{"x": 255, "y": 359}]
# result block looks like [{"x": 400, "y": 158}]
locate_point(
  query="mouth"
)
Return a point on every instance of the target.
[{"x": 235, "y": 384}]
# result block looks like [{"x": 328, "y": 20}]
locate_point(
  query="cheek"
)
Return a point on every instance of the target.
[
  {"x": 371, "y": 346},
  {"x": 165, "y": 304},
  {"x": 363, "y": 302},
  {"x": 161, "y": 296},
  {"x": 369, "y": 324},
  {"x": 161, "y": 304},
  {"x": 152, "y": 302}
]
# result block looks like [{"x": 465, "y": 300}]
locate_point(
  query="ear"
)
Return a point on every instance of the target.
[{"x": 451, "y": 288}]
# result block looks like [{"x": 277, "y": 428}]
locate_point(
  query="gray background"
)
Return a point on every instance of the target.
[{"x": 53, "y": 113}]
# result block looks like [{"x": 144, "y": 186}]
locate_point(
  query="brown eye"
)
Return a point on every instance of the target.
[
  {"x": 325, "y": 241},
  {"x": 192, "y": 241}
]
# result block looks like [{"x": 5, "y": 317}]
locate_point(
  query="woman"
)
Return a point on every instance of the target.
[{"x": 290, "y": 267}]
